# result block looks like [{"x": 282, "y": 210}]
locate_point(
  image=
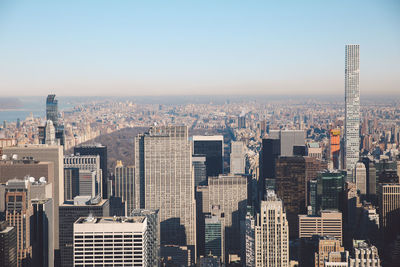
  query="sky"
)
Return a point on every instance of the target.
[{"x": 148, "y": 47}]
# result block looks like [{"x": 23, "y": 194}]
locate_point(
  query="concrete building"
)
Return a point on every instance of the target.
[
  {"x": 200, "y": 169},
  {"x": 226, "y": 197},
  {"x": 124, "y": 185},
  {"x": 46, "y": 153},
  {"x": 18, "y": 214},
  {"x": 90, "y": 173},
  {"x": 389, "y": 210},
  {"x": 82, "y": 206},
  {"x": 164, "y": 181},
  {"x": 326, "y": 247},
  {"x": 238, "y": 158},
  {"x": 352, "y": 107},
  {"x": 8, "y": 245},
  {"x": 292, "y": 175},
  {"x": 364, "y": 254},
  {"x": 328, "y": 224},
  {"x": 271, "y": 234},
  {"x": 117, "y": 241},
  {"x": 213, "y": 148},
  {"x": 71, "y": 183},
  {"x": 101, "y": 151},
  {"x": 314, "y": 150},
  {"x": 214, "y": 236},
  {"x": 360, "y": 178}
]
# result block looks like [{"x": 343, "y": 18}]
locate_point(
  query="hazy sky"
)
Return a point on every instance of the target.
[{"x": 195, "y": 47}]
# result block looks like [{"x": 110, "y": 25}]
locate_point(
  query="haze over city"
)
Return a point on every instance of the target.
[{"x": 195, "y": 47}]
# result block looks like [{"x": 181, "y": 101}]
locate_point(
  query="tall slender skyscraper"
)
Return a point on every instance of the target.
[
  {"x": 352, "y": 98},
  {"x": 164, "y": 181}
]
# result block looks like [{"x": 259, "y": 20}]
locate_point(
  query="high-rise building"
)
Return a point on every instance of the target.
[
  {"x": 328, "y": 224},
  {"x": 71, "y": 183},
  {"x": 124, "y": 185},
  {"x": 117, "y": 241},
  {"x": 352, "y": 110},
  {"x": 54, "y": 127},
  {"x": 328, "y": 191},
  {"x": 292, "y": 176},
  {"x": 334, "y": 148},
  {"x": 214, "y": 240},
  {"x": 271, "y": 234},
  {"x": 13, "y": 167},
  {"x": 90, "y": 173},
  {"x": 289, "y": 139},
  {"x": 213, "y": 148},
  {"x": 52, "y": 109},
  {"x": 8, "y": 245},
  {"x": 242, "y": 121},
  {"x": 389, "y": 210},
  {"x": 238, "y": 158},
  {"x": 314, "y": 150},
  {"x": 364, "y": 254},
  {"x": 200, "y": 169},
  {"x": 46, "y": 153},
  {"x": 164, "y": 181},
  {"x": 226, "y": 197},
  {"x": 18, "y": 214},
  {"x": 82, "y": 206},
  {"x": 94, "y": 150},
  {"x": 360, "y": 178}
]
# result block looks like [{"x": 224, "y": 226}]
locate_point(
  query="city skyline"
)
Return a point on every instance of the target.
[{"x": 195, "y": 48}]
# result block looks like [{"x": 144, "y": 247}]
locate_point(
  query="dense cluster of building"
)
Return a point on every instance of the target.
[{"x": 288, "y": 188}]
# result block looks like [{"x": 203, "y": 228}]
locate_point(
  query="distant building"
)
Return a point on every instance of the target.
[
  {"x": 238, "y": 158},
  {"x": 8, "y": 245},
  {"x": 314, "y": 150},
  {"x": 200, "y": 169},
  {"x": 127, "y": 239},
  {"x": 241, "y": 122},
  {"x": 124, "y": 185},
  {"x": 213, "y": 148},
  {"x": 328, "y": 224},
  {"x": 93, "y": 150},
  {"x": 352, "y": 110},
  {"x": 334, "y": 148}
]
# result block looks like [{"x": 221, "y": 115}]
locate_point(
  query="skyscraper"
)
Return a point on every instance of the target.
[
  {"x": 18, "y": 214},
  {"x": 124, "y": 185},
  {"x": 389, "y": 210},
  {"x": 117, "y": 241},
  {"x": 52, "y": 109},
  {"x": 352, "y": 110},
  {"x": 213, "y": 148},
  {"x": 238, "y": 158},
  {"x": 8, "y": 245},
  {"x": 93, "y": 150},
  {"x": 164, "y": 181},
  {"x": 272, "y": 234}
]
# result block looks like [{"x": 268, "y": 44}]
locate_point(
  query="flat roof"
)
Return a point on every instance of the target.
[{"x": 110, "y": 220}]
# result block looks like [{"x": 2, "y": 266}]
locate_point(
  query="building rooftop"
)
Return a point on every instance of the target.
[{"x": 110, "y": 220}]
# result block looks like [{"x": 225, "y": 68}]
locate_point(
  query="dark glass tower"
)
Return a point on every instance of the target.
[
  {"x": 52, "y": 109},
  {"x": 213, "y": 148},
  {"x": 94, "y": 150}
]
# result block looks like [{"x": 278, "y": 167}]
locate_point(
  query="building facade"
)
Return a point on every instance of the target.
[{"x": 352, "y": 107}]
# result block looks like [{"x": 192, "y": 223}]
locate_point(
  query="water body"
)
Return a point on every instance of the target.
[{"x": 35, "y": 105}]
